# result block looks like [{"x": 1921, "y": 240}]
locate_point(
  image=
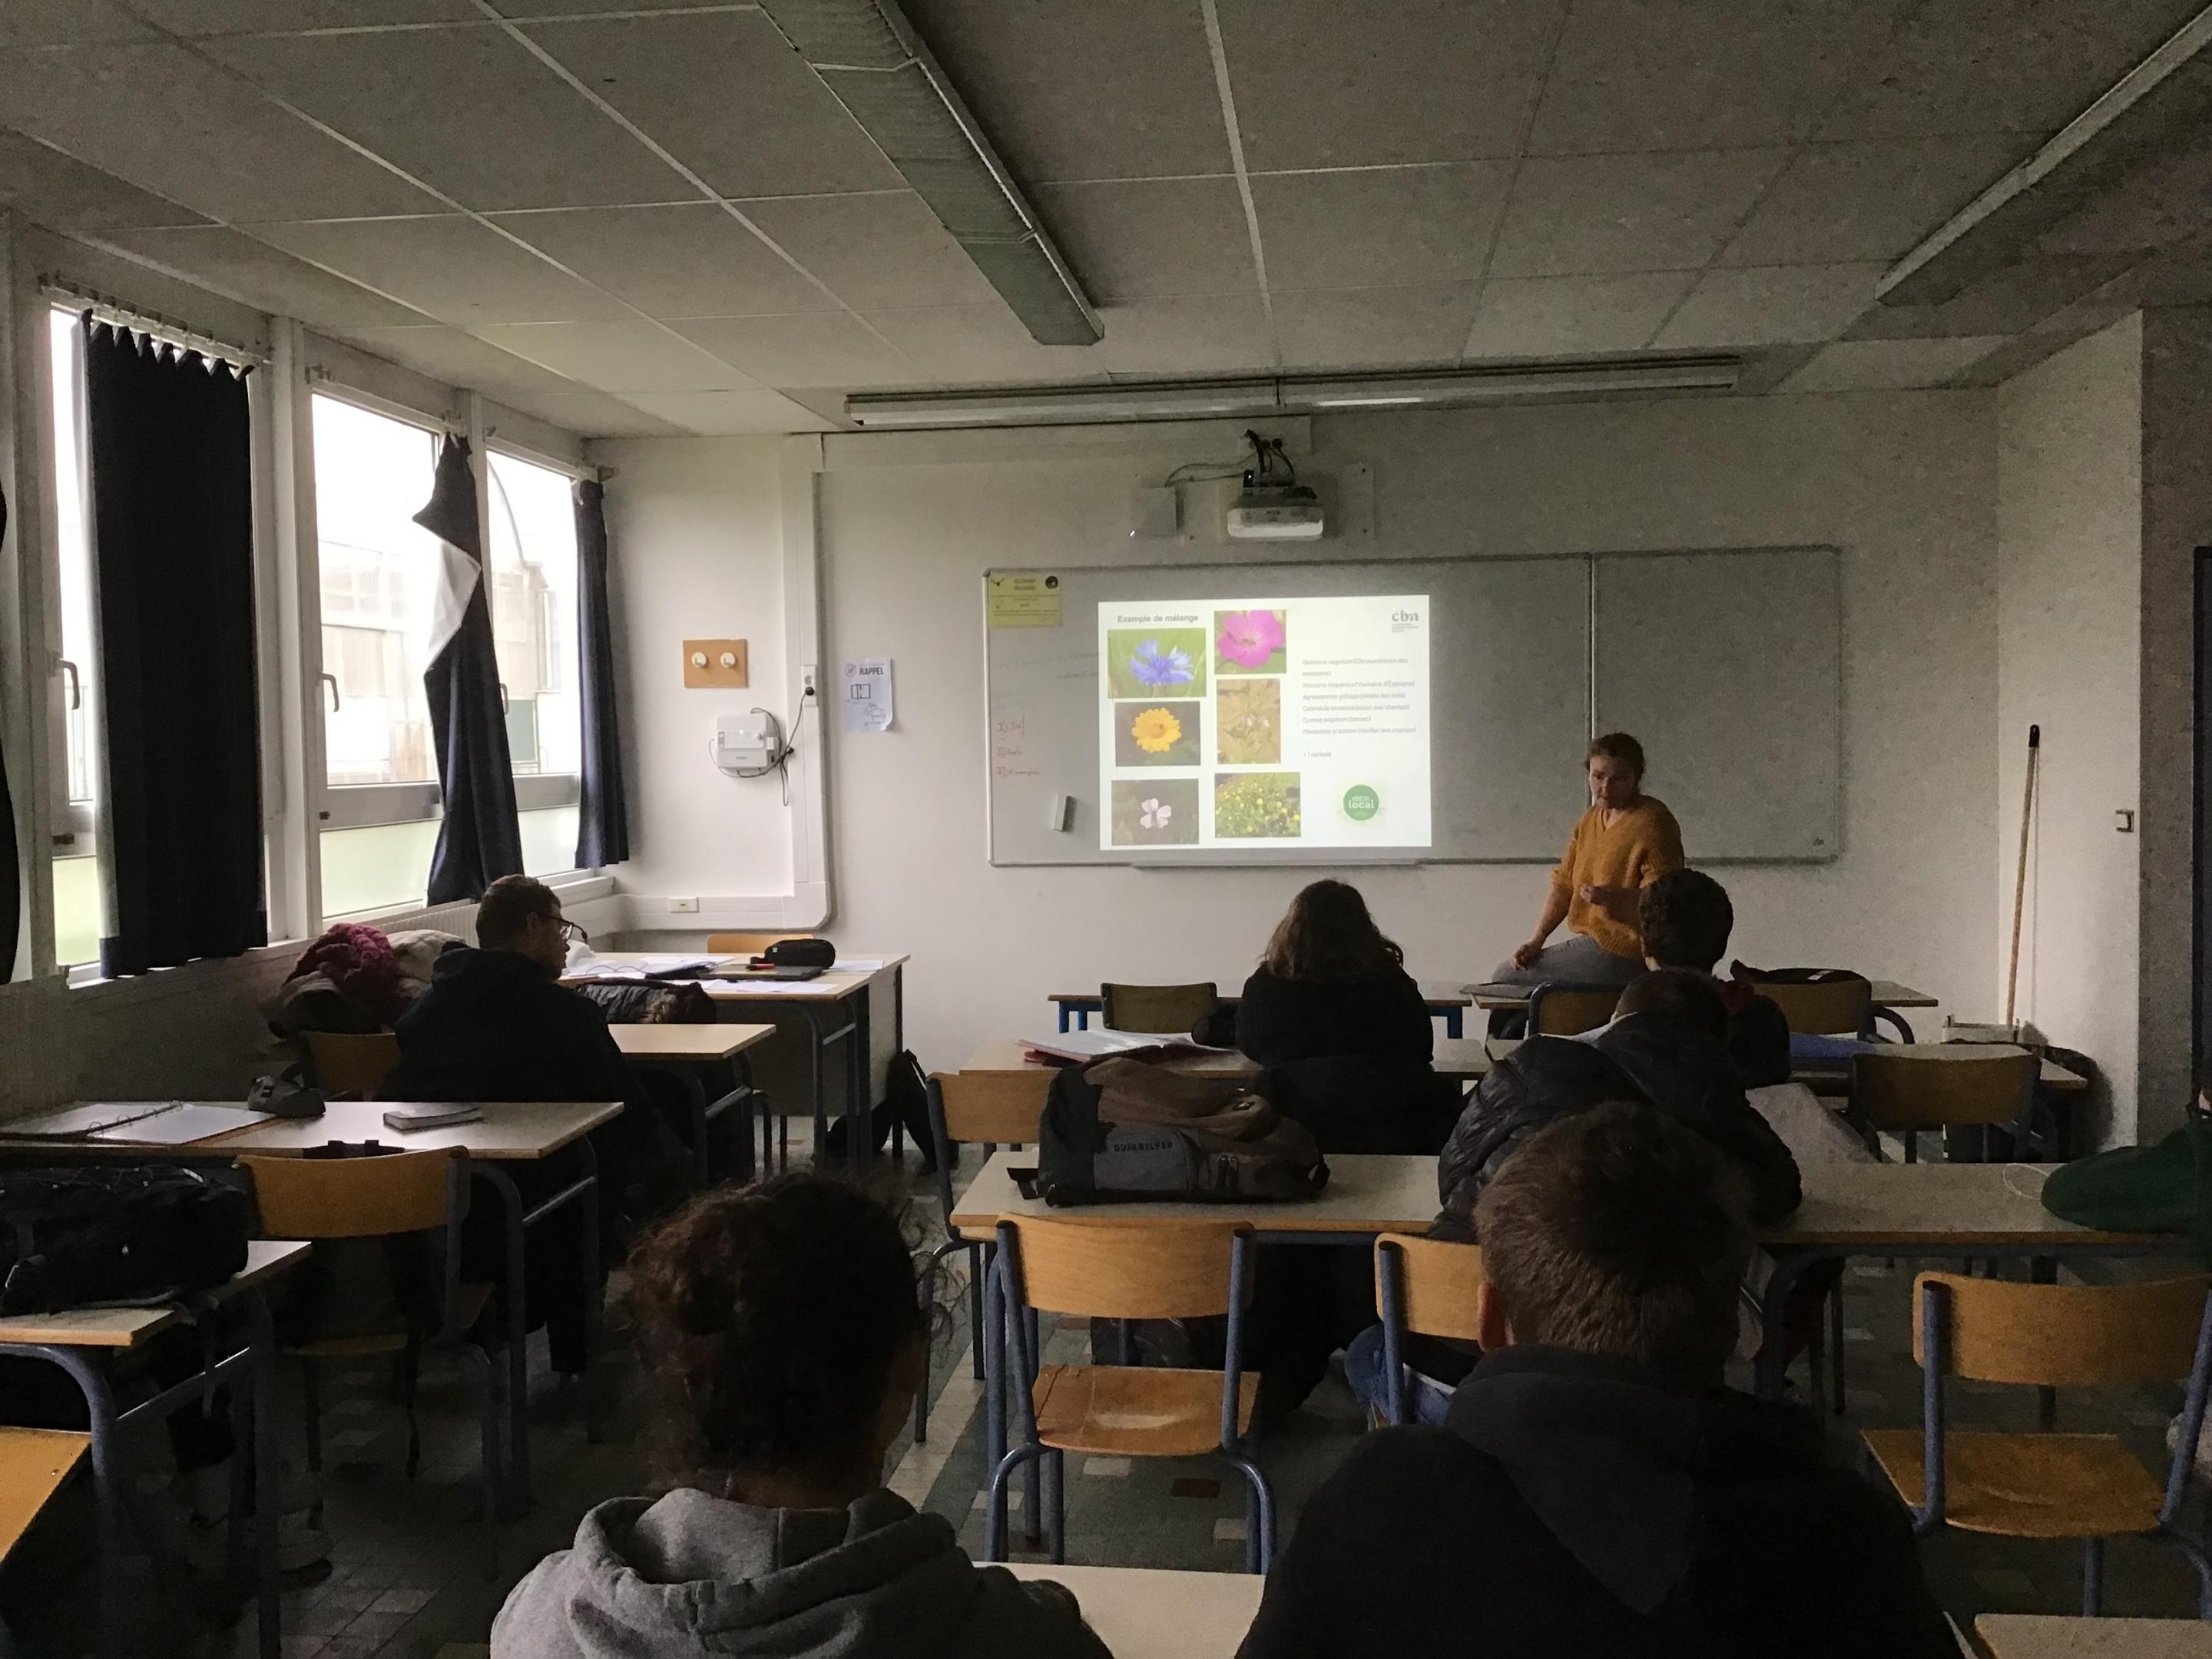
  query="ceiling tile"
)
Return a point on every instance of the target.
[
  {"x": 1572, "y": 215},
  {"x": 457, "y": 359},
  {"x": 827, "y": 403},
  {"x": 469, "y": 112},
  {"x": 2178, "y": 276},
  {"x": 592, "y": 414},
  {"x": 199, "y": 17},
  {"x": 523, "y": 10},
  {"x": 981, "y": 345},
  {"x": 1413, "y": 81},
  {"x": 692, "y": 260},
  {"x": 1119, "y": 91},
  {"x": 620, "y": 358},
  {"x": 1185, "y": 335},
  {"x": 451, "y": 267},
  {"x": 1869, "y": 201},
  {"x": 55, "y": 190},
  {"x": 2016, "y": 297},
  {"x": 2000, "y": 65},
  {"x": 1889, "y": 365},
  {"x": 1641, "y": 75},
  {"x": 1573, "y": 316},
  {"x": 1127, "y": 240},
  {"x": 1768, "y": 305},
  {"x": 873, "y": 251},
  {"x": 822, "y": 349},
  {"x": 731, "y": 414},
  {"x": 67, "y": 23},
  {"x": 267, "y": 278},
  {"x": 761, "y": 123},
  {"x": 1387, "y": 225},
  {"x": 2159, "y": 200},
  {"x": 1373, "y": 327},
  {"x": 159, "y": 119}
]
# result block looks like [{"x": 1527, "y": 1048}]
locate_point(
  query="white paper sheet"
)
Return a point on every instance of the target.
[{"x": 866, "y": 695}]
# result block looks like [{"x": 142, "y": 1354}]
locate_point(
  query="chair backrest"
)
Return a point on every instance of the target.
[
  {"x": 1435, "y": 1284},
  {"x": 1927, "y": 1092},
  {"x": 746, "y": 945},
  {"x": 995, "y": 1109},
  {"x": 1837, "y": 1007},
  {"x": 1993, "y": 1330},
  {"x": 1157, "y": 1007},
  {"x": 1570, "y": 1010},
  {"x": 356, "y": 1197},
  {"x": 1123, "y": 1269},
  {"x": 354, "y": 1061}
]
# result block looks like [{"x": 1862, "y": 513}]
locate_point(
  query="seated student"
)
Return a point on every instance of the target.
[
  {"x": 1686, "y": 918},
  {"x": 1666, "y": 1048},
  {"x": 783, "y": 1327},
  {"x": 1331, "y": 984},
  {"x": 1595, "y": 1489}
]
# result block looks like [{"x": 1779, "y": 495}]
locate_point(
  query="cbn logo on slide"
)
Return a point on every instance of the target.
[{"x": 1361, "y": 803}]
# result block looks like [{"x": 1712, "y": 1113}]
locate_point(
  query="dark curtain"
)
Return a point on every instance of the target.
[
  {"x": 171, "y": 464},
  {"x": 481, "y": 838},
  {"x": 11, "y": 869},
  {"x": 602, "y": 822}
]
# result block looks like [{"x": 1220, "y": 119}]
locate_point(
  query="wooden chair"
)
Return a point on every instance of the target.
[
  {"x": 1568, "y": 1011},
  {"x": 746, "y": 945},
  {"x": 1126, "y": 1270},
  {"x": 386, "y": 1196},
  {"x": 1425, "y": 1286},
  {"x": 2087, "y": 1487},
  {"x": 1836, "y": 1007},
  {"x": 989, "y": 1109},
  {"x": 1157, "y": 1007},
  {"x": 1905, "y": 1094},
  {"x": 33, "y": 1464},
  {"x": 349, "y": 1062}
]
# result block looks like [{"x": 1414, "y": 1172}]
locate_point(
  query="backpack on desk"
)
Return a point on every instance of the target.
[
  {"x": 129, "y": 1236},
  {"x": 1122, "y": 1131}
]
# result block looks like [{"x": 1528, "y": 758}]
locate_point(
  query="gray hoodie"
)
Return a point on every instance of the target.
[{"x": 688, "y": 1574}]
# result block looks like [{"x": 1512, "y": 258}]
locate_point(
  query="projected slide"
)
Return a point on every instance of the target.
[{"x": 1250, "y": 723}]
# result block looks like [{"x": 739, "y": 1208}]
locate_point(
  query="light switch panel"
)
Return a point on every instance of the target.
[{"x": 716, "y": 663}]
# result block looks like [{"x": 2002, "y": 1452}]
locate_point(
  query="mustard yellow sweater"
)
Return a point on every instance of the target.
[{"x": 1643, "y": 844}]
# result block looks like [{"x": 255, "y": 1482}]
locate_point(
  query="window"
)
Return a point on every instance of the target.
[
  {"x": 379, "y": 577},
  {"x": 80, "y": 900}
]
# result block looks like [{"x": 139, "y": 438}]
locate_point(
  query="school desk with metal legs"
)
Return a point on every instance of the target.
[
  {"x": 681, "y": 1052},
  {"x": 1446, "y": 1002},
  {"x": 77, "y": 1341}
]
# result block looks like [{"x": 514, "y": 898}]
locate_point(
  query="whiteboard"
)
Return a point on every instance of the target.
[{"x": 1523, "y": 672}]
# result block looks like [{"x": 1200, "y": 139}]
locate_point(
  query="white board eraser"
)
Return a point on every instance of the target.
[{"x": 1060, "y": 813}]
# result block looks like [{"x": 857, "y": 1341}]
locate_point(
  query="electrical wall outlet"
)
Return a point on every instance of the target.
[{"x": 683, "y": 907}]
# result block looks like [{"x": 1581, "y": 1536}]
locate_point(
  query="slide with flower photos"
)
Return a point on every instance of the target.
[{"x": 1250, "y": 722}]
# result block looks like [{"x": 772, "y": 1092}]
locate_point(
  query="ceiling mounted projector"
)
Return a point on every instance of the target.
[{"x": 1275, "y": 512}]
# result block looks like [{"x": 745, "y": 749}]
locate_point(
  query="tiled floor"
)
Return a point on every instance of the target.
[{"x": 407, "y": 1575}]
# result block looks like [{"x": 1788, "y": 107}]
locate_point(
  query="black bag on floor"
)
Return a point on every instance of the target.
[
  {"x": 1125, "y": 1132},
  {"x": 905, "y": 1102},
  {"x": 73, "y": 1238}
]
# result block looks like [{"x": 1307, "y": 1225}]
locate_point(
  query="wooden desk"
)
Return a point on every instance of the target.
[
  {"x": 1887, "y": 994},
  {"x": 1146, "y": 1613},
  {"x": 820, "y": 1001},
  {"x": 702, "y": 1043},
  {"x": 2022, "y": 1636},
  {"x": 73, "y": 1340},
  {"x": 1462, "y": 1057},
  {"x": 1449, "y": 1003},
  {"x": 2054, "y": 1075},
  {"x": 681, "y": 1052},
  {"x": 510, "y": 1131}
]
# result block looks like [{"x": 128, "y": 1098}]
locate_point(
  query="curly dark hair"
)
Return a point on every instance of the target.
[
  {"x": 1686, "y": 918},
  {"x": 1327, "y": 936},
  {"x": 770, "y": 1317}
]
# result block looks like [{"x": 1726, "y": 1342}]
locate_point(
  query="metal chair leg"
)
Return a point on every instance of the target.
[
  {"x": 994, "y": 1507},
  {"x": 2093, "y": 1577},
  {"x": 1055, "y": 1481},
  {"x": 1259, "y": 1495},
  {"x": 975, "y": 1271},
  {"x": 2198, "y": 1559}
]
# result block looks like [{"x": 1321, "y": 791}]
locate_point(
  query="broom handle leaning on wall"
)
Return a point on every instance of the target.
[{"x": 2020, "y": 881}]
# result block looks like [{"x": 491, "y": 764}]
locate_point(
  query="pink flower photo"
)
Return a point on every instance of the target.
[{"x": 1248, "y": 641}]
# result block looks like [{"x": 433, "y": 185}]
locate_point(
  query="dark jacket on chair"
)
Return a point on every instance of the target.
[
  {"x": 492, "y": 1026},
  {"x": 1650, "y": 1058},
  {"x": 1575, "y": 1505},
  {"x": 1757, "y": 1036},
  {"x": 1381, "y": 1016}
]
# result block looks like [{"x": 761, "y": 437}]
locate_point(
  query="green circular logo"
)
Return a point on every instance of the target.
[{"x": 1361, "y": 803}]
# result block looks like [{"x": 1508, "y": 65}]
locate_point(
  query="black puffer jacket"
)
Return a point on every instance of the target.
[{"x": 1646, "y": 1057}]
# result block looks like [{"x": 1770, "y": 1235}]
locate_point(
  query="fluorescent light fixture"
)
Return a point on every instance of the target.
[
  {"x": 1186, "y": 400},
  {"x": 869, "y": 56}
]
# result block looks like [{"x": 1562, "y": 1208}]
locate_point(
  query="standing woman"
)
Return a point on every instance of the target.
[{"x": 1627, "y": 841}]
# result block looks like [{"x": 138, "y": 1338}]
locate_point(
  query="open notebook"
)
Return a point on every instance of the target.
[{"x": 136, "y": 1123}]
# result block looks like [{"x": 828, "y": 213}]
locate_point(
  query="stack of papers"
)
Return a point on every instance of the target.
[{"x": 136, "y": 1123}]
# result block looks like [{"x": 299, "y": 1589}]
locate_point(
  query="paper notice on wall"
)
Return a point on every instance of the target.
[
  {"x": 1021, "y": 599},
  {"x": 867, "y": 699}
]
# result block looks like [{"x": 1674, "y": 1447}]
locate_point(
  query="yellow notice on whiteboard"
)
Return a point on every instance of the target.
[{"x": 1021, "y": 599}]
